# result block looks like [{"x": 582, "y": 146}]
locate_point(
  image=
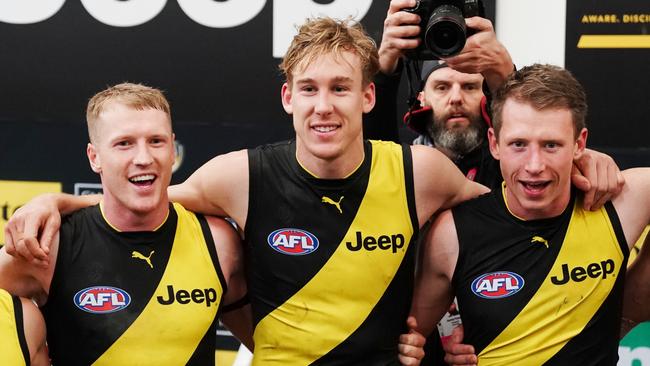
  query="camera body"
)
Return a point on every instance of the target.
[{"x": 442, "y": 28}]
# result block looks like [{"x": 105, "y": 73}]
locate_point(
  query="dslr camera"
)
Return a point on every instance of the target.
[{"x": 443, "y": 31}]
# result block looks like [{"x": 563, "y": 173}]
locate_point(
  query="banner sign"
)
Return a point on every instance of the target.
[{"x": 608, "y": 50}]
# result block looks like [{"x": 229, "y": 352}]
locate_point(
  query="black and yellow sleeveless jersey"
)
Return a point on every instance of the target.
[
  {"x": 542, "y": 291},
  {"x": 134, "y": 298},
  {"x": 331, "y": 261},
  {"x": 13, "y": 345}
]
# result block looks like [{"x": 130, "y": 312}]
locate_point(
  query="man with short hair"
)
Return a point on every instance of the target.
[
  {"x": 135, "y": 279},
  {"x": 538, "y": 278},
  {"x": 453, "y": 115}
]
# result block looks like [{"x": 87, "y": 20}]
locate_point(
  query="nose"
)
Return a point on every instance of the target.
[
  {"x": 455, "y": 95},
  {"x": 142, "y": 156},
  {"x": 324, "y": 104},
  {"x": 535, "y": 161}
]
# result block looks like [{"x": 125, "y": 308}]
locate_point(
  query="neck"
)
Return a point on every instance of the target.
[
  {"x": 337, "y": 167},
  {"x": 124, "y": 219},
  {"x": 553, "y": 209}
]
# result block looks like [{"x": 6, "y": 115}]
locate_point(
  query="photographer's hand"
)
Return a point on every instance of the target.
[
  {"x": 484, "y": 54},
  {"x": 400, "y": 33}
]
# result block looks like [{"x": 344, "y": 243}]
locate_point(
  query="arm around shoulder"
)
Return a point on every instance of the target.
[
  {"x": 219, "y": 187},
  {"x": 438, "y": 182},
  {"x": 633, "y": 203},
  {"x": 34, "y": 328},
  {"x": 433, "y": 288},
  {"x": 236, "y": 312}
]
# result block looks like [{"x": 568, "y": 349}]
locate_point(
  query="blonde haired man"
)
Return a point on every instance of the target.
[{"x": 134, "y": 279}]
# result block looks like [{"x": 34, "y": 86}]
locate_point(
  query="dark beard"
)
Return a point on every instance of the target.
[{"x": 458, "y": 142}]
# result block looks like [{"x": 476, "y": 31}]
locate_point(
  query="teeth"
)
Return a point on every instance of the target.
[
  {"x": 324, "y": 128},
  {"x": 142, "y": 178}
]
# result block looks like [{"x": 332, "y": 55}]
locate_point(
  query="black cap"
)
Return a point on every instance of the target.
[{"x": 430, "y": 66}]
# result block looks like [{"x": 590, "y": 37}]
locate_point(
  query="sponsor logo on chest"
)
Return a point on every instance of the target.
[
  {"x": 102, "y": 299},
  {"x": 600, "y": 269},
  {"x": 293, "y": 241},
  {"x": 381, "y": 242},
  {"x": 183, "y": 297},
  {"x": 497, "y": 285}
]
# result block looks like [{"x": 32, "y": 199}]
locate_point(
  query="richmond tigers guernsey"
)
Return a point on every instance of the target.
[
  {"x": 13, "y": 345},
  {"x": 134, "y": 298},
  {"x": 542, "y": 291},
  {"x": 331, "y": 261}
]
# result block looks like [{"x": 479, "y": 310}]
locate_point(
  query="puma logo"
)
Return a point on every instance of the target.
[
  {"x": 138, "y": 255},
  {"x": 539, "y": 239},
  {"x": 326, "y": 199}
]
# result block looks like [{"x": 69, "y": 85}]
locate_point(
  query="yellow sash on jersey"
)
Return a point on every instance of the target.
[
  {"x": 336, "y": 301},
  {"x": 11, "y": 352},
  {"x": 169, "y": 334},
  {"x": 557, "y": 313}
]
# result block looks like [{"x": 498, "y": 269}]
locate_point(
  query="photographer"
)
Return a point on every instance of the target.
[{"x": 452, "y": 94}]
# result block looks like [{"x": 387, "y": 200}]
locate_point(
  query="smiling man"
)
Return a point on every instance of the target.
[
  {"x": 134, "y": 279},
  {"x": 539, "y": 279}
]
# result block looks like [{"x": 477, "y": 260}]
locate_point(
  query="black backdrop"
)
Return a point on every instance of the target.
[{"x": 224, "y": 85}]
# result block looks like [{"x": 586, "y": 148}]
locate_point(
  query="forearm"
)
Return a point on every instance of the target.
[
  {"x": 497, "y": 74},
  {"x": 240, "y": 324},
  {"x": 636, "y": 300},
  {"x": 68, "y": 203}
]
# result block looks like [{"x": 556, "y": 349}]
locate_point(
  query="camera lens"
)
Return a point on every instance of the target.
[{"x": 445, "y": 32}]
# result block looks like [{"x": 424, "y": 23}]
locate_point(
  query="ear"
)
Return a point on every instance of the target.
[
  {"x": 581, "y": 143},
  {"x": 494, "y": 144},
  {"x": 369, "y": 98},
  {"x": 286, "y": 98},
  {"x": 93, "y": 158}
]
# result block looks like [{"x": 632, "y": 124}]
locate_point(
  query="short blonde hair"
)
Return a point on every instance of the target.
[
  {"x": 325, "y": 35},
  {"x": 136, "y": 96}
]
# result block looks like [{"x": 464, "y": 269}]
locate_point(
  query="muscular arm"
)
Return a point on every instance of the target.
[
  {"x": 438, "y": 183},
  {"x": 433, "y": 291},
  {"x": 636, "y": 298},
  {"x": 633, "y": 209},
  {"x": 219, "y": 187},
  {"x": 598, "y": 176},
  {"x": 25, "y": 279},
  {"x": 231, "y": 260},
  {"x": 34, "y": 327},
  {"x": 43, "y": 212}
]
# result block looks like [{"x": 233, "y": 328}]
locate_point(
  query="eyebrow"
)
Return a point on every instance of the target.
[{"x": 337, "y": 79}]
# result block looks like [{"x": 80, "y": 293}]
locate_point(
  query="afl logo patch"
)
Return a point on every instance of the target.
[
  {"x": 497, "y": 285},
  {"x": 293, "y": 241},
  {"x": 102, "y": 299}
]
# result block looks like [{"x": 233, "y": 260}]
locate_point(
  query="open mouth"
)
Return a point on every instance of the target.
[
  {"x": 143, "y": 180},
  {"x": 535, "y": 187}
]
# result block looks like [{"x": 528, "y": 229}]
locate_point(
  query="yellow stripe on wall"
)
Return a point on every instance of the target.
[{"x": 614, "y": 41}]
